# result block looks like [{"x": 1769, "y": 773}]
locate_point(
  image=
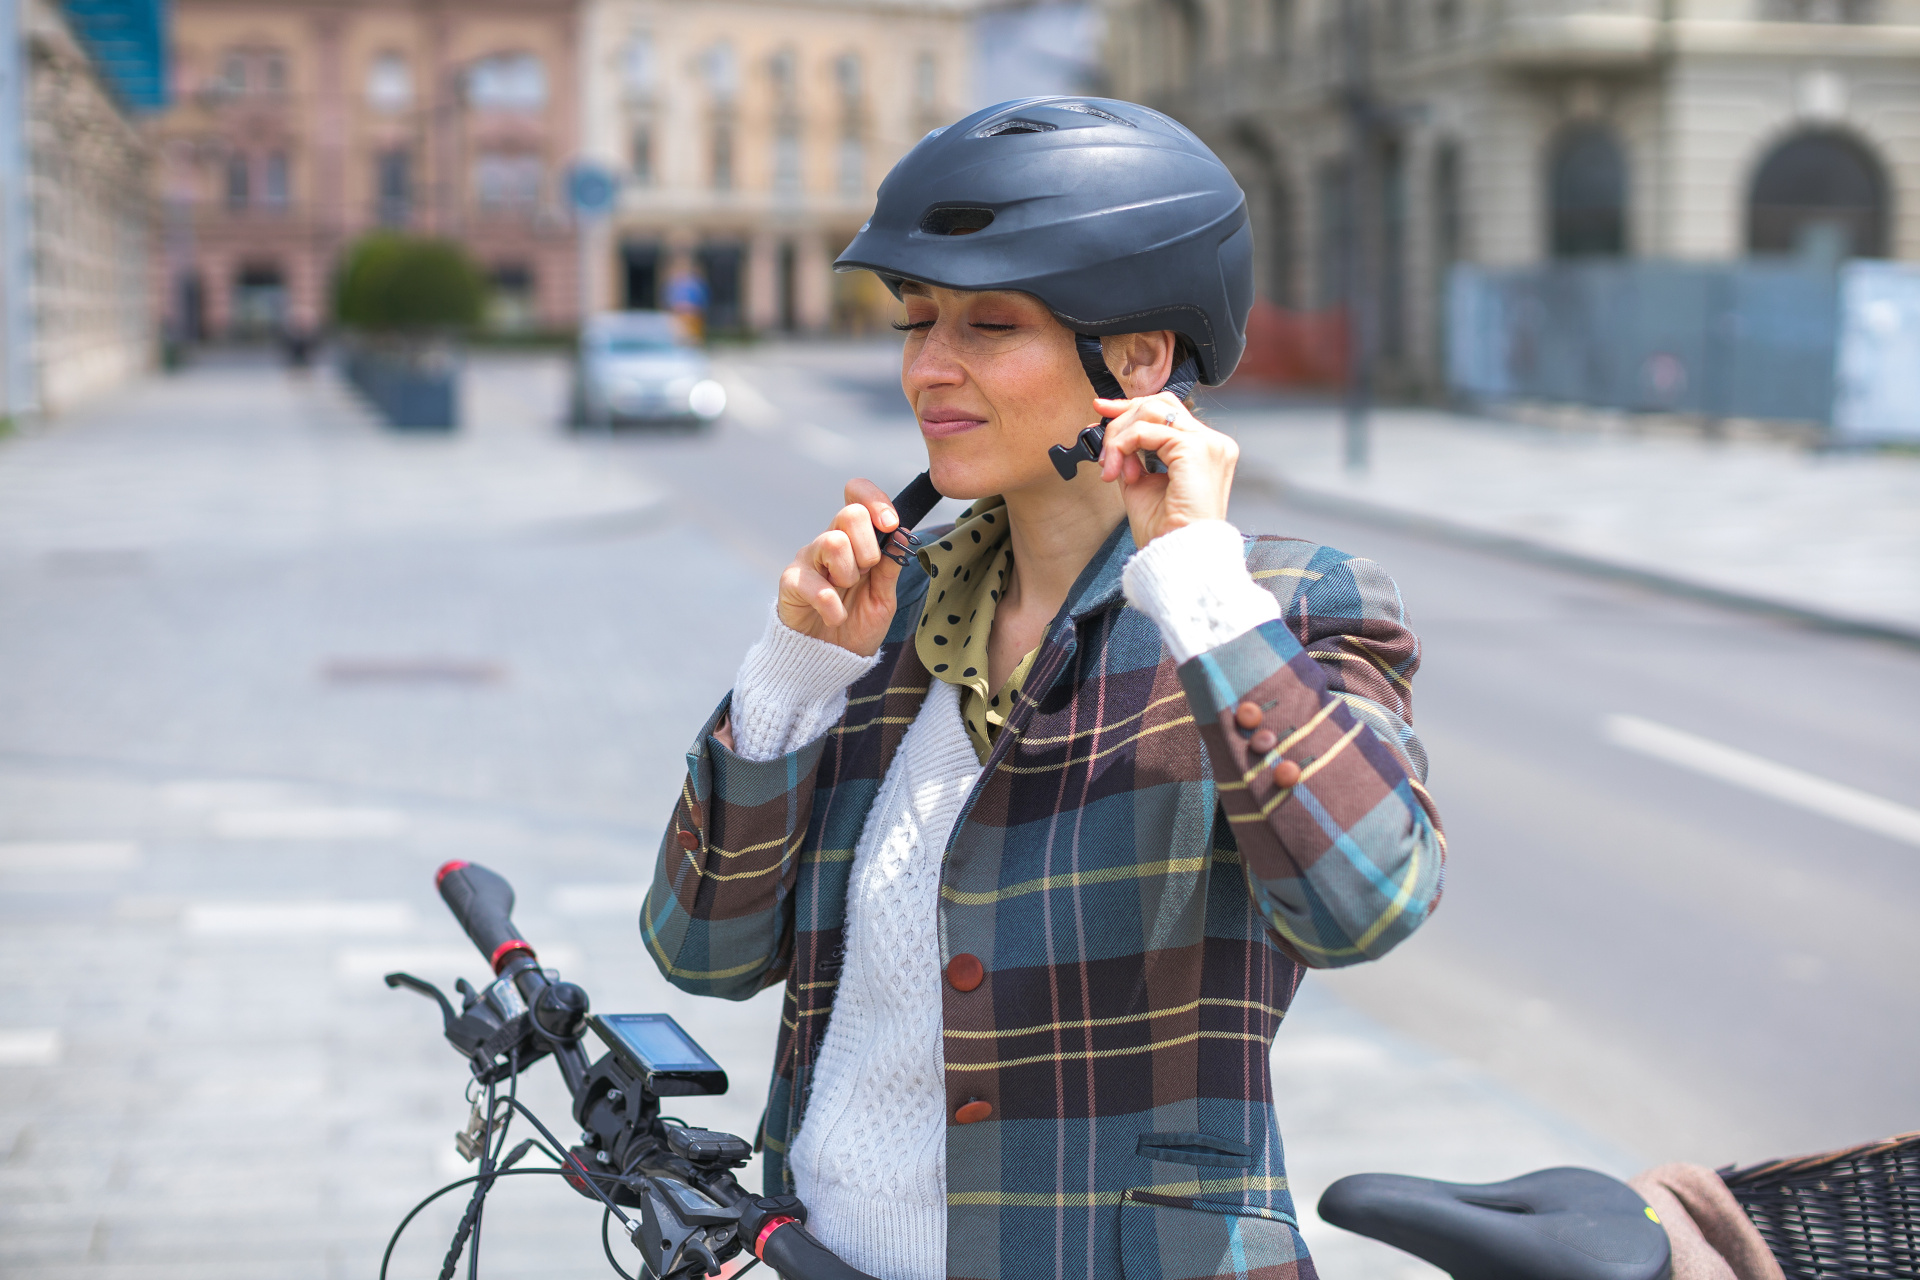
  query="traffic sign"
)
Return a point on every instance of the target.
[{"x": 591, "y": 189}]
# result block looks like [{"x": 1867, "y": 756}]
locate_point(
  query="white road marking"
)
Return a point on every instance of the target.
[
  {"x": 1770, "y": 778},
  {"x": 599, "y": 899},
  {"x": 317, "y": 823},
  {"x": 297, "y": 919},
  {"x": 69, "y": 855},
  {"x": 29, "y": 1046},
  {"x": 437, "y": 962}
]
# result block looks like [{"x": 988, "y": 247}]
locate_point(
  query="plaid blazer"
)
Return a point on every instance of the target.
[{"x": 1143, "y": 908}]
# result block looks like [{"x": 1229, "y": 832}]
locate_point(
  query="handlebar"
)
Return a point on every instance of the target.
[
  {"x": 796, "y": 1255},
  {"x": 483, "y": 904},
  {"x": 691, "y": 1206}
]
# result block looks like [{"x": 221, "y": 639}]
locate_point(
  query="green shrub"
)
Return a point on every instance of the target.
[{"x": 396, "y": 282}]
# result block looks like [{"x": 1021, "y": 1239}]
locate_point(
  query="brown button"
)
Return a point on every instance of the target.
[
  {"x": 1286, "y": 773},
  {"x": 965, "y": 972},
  {"x": 688, "y": 841},
  {"x": 1247, "y": 715},
  {"x": 694, "y": 811},
  {"x": 1263, "y": 741},
  {"x": 973, "y": 1112}
]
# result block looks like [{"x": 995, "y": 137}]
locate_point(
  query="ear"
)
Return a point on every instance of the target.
[{"x": 1141, "y": 362}]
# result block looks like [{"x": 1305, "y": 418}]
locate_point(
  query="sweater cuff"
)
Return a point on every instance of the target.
[
  {"x": 790, "y": 690},
  {"x": 1194, "y": 584}
]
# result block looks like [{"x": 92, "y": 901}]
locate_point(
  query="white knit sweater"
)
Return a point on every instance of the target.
[{"x": 870, "y": 1157}]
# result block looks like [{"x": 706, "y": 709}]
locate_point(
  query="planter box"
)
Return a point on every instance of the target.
[{"x": 413, "y": 390}]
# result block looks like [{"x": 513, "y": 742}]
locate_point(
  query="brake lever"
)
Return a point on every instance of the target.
[{"x": 425, "y": 988}]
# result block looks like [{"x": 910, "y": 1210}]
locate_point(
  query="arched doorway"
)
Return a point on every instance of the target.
[
  {"x": 1587, "y": 194},
  {"x": 1818, "y": 194}
]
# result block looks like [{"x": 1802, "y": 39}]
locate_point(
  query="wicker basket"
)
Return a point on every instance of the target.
[{"x": 1844, "y": 1214}]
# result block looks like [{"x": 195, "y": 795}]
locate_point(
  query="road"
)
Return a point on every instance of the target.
[{"x": 262, "y": 667}]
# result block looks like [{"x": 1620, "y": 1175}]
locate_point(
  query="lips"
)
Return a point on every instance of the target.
[{"x": 937, "y": 424}]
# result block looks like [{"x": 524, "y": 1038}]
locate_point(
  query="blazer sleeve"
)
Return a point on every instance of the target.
[
  {"x": 1349, "y": 859},
  {"x": 718, "y": 918}
]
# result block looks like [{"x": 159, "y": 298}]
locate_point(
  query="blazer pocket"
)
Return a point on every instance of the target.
[
  {"x": 1195, "y": 1148},
  {"x": 1184, "y": 1238}
]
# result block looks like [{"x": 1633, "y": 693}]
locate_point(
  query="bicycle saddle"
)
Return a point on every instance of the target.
[{"x": 1556, "y": 1224}]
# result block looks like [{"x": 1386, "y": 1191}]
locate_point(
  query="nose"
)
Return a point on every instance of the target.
[{"x": 935, "y": 364}]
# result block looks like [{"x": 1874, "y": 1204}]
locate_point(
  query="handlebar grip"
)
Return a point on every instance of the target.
[
  {"x": 798, "y": 1256},
  {"x": 482, "y": 901}
]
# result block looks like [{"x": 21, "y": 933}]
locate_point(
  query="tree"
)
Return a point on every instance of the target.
[{"x": 400, "y": 283}]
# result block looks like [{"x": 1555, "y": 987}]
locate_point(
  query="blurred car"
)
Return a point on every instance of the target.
[{"x": 639, "y": 366}]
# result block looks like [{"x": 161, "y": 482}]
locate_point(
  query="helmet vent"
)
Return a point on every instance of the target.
[
  {"x": 955, "y": 222},
  {"x": 1015, "y": 126},
  {"x": 1088, "y": 109}
]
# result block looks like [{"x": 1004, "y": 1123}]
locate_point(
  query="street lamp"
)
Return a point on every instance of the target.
[{"x": 1362, "y": 118}]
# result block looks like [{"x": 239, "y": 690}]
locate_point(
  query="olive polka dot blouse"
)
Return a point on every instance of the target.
[{"x": 969, "y": 568}]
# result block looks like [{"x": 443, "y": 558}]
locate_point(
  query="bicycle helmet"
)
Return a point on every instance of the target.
[{"x": 1116, "y": 217}]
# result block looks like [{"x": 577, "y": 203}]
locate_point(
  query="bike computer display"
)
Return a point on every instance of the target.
[{"x": 653, "y": 1045}]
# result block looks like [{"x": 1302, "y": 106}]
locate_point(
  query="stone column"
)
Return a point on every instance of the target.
[
  {"x": 763, "y": 282},
  {"x": 813, "y": 281}
]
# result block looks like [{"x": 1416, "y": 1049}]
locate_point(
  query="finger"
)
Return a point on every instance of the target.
[
  {"x": 879, "y": 507},
  {"x": 833, "y": 559},
  {"x": 856, "y": 521},
  {"x": 810, "y": 585},
  {"x": 1125, "y": 438}
]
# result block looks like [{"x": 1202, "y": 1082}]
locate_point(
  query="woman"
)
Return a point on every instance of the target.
[{"x": 1036, "y": 936}]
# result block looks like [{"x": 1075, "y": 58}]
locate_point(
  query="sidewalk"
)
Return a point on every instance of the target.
[{"x": 1832, "y": 538}]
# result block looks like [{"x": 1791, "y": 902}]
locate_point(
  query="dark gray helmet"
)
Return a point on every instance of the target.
[{"x": 1115, "y": 216}]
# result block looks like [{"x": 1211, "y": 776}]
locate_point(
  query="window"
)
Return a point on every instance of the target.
[
  {"x": 506, "y": 181},
  {"x": 1587, "y": 194},
  {"x": 508, "y": 82},
  {"x": 723, "y": 157},
  {"x": 239, "y": 182},
  {"x": 273, "y": 72},
  {"x": 786, "y": 159},
  {"x": 233, "y": 72},
  {"x": 638, "y": 66},
  {"x": 393, "y": 186},
  {"x": 782, "y": 69},
  {"x": 390, "y": 83},
  {"x": 1280, "y": 20},
  {"x": 853, "y": 166},
  {"x": 273, "y": 181},
  {"x": 846, "y": 74},
  {"x": 926, "y": 82},
  {"x": 642, "y": 154},
  {"x": 512, "y": 303},
  {"x": 1821, "y": 195},
  {"x": 723, "y": 72}
]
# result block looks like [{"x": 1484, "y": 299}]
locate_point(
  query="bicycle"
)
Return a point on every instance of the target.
[{"x": 694, "y": 1216}]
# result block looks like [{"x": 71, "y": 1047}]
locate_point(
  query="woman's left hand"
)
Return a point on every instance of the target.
[{"x": 1199, "y": 462}]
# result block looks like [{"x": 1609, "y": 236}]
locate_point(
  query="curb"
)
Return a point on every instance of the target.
[{"x": 1517, "y": 547}]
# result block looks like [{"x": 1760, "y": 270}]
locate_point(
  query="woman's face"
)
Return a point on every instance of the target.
[{"x": 995, "y": 381}]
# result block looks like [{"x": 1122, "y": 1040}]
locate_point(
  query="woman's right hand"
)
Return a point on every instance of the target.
[{"x": 839, "y": 588}]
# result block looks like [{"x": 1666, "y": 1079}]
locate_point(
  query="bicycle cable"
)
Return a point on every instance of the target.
[{"x": 387, "y": 1257}]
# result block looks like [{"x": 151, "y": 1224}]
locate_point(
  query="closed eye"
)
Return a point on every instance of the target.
[
  {"x": 997, "y": 328},
  {"x": 912, "y": 326}
]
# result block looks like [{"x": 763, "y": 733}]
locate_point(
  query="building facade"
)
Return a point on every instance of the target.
[
  {"x": 1514, "y": 131},
  {"x": 749, "y": 137},
  {"x": 76, "y": 230},
  {"x": 300, "y": 125}
]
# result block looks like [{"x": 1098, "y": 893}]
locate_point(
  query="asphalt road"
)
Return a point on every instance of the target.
[{"x": 262, "y": 667}]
